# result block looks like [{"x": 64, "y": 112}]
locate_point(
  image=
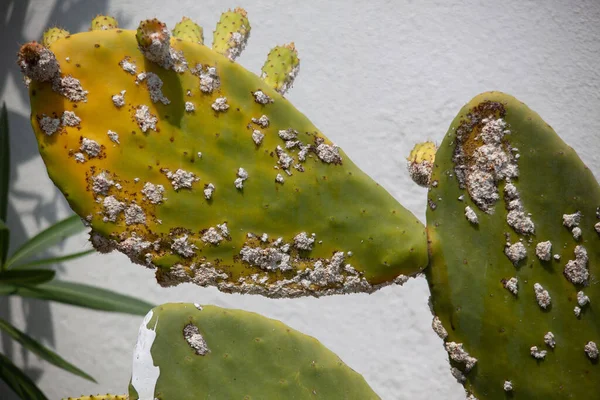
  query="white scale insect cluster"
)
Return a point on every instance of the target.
[
  {"x": 304, "y": 242},
  {"x": 242, "y": 175},
  {"x": 515, "y": 252},
  {"x": 261, "y": 98},
  {"x": 216, "y": 235},
  {"x": 542, "y": 296},
  {"x": 329, "y": 153},
  {"x": 90, "y": 147},
  {"x": 112, "y": 208},
  {"x": 153, "y": 193},
  {"x": 458, "y": 354},
  {"x": 209, "y": 80},
  {"x": 257, "y": 137},
  {"x": 101, "y": 183},
  {"x": 69, "y": 118},
  {"x": 220, "y": 104},
  {"x": 263, "y": 121},
  {"x": 471, "y": 216},
  {"x": 208, "y": 191},
  {"x": 549, "y": 340},
  {"x": 189, "y": 107},
  {"x": 145, "y": 119},
  {"x": 181, "y": 179},
  {"x": 128, "y": 65},
  {"x": 543, "y": 250},
  {"x": 237, "y": 42},
  {"x": 181, "y": 246},
  {"x": 576, "y": 270},
  {"x": 512, "y": 285},
  {"x": 537, "y": 353},
  {"x": 154, "y": 85},
  {"x": 113, "y": 136},
  {"x": 508, "y": 386},
  {"x": 591, "y": 349},
  {"x": 134, "y": 215},
  {"x": 119, "y": 99},
  {"x": 49, "y": 125},
  {"x": 438, "y": 328},
  {"x": 194, "y": 338}
]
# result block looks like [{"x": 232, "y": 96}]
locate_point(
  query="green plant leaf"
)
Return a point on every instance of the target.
[
  {"x": 4, "y": 162},
  {"x": 26, "y": 277},
  {"x": 40, "y": 350},
  {"x": 87, "y": 296},
  {"x": 47, "y": 238},
  {"x": 4, "y": 242},
  {"x": 20, "y": 383},
  {"x": 52, "y": 260},
  {"x": 6, "y": 290}
]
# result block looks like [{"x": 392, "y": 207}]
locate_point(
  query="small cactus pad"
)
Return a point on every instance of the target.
[
  {"x": 103, "y": 23},
  {"x": 232, "y": 33},
  {"x": 99, "y": 397},
  {"x": 193, "y": 166},
  {"x": 420, "y": 162},
  {"x": 188, "y": 352},
  {"x": 281, "y": 67},
  {"x": 186, "y": 29},
  {"x": 515, "y": 255},
  {"x": 51, "y": 35}
]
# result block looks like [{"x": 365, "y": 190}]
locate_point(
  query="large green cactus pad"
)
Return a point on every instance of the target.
[
  {"x": 475, "y": 253},
  {"x": 214, "y": 353},
  {"x": 196, "y": 167}
]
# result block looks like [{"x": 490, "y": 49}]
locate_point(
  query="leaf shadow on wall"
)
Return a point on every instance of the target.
[{"x": 15, "y": 27}]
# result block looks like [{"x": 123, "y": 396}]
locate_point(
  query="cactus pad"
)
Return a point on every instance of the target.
[
  {"x": 51, "y": 35},
  {"x": 281, "y": 67},
  {"x": 514, "y": 255},
  {"x": 186, "y": 29},
  {"x": 99, "y": 397},
  {"x": 103, "y": 23},
  {"x": 232, "y": 33},
  {"x": 195, "y": 167},
  {"x": 186, "y": 351}
]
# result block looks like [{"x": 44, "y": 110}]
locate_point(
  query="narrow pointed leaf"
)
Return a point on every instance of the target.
[
  {"x": 20, "y": 383},
  {"x": 87, "y": 296},
  {"x": 26, "y": 277},
  {"x": 53, "y": 260},
  {"x": 47, "y": 238},
  {"x": 4, "y": 162},
  {"x": 40, "y": 350},
  {"x": 4, "y": 242}
]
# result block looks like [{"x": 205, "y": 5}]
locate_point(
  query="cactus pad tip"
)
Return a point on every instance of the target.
[
  {"x": 104, "y": 23},
  {"x": 420, "y": 162},
  {"x": 37, "y": 62}
]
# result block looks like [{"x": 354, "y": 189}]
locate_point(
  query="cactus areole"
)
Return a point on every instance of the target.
[{"x": 193, "y": 166}]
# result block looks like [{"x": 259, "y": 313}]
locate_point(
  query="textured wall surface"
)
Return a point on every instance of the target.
[{"x": 376, "y": 77}]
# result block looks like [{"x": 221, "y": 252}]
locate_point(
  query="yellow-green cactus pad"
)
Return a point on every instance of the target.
[
  {"x": 189, "y": 352},
  {"x": 513, "y": 223},
  {"x": 281, "y": 68},
  {"x": 51, "y": 35},
  {"x": 103, "y": 23},
  {"x": 186, "y": 29},
  {"x": 195, "y": 167},
  {"x": 232, "y": 33}
]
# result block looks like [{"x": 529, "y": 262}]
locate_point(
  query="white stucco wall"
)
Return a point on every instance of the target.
[{"x": 376, "y": 77}]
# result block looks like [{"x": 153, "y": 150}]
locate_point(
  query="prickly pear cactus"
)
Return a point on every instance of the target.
[
  {"x": 513, "y": 225},
  {"x": 195, "y": 167},
  {"x": 187, "y": 351}
]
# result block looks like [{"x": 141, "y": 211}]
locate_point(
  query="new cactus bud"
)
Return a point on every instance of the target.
[
  {"x": 281, "y": 68},
  {"x": 51, "y": 35},
  {"x": 189, "y": 352},
  {"x": 104, "y": 23},
  {"x": 504, "y": 299},
  {"x": 186, "y": 29},
  {"x": 153, "y": 38},
  {"x": 37, "y": 62},
  {"x": 232, "y": 33},
  {"x": 420, "y": 162},
  {"x": 198, "y": 169}
]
